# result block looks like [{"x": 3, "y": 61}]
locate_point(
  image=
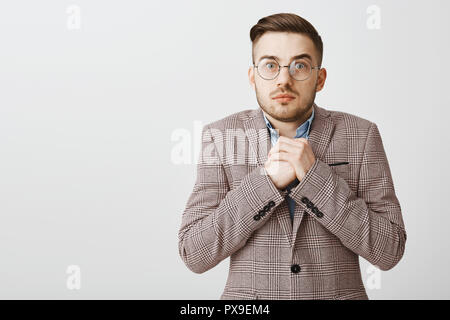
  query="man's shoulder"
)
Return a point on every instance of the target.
[
  {"x": 233, "y": 121},
  {"x": 348, "y": 120}
]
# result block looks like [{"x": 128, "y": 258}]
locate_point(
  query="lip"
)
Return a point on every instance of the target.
[{"x": 284, "y": 97}]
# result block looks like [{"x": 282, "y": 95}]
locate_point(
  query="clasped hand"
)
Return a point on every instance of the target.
[{"x": 288, "y": 159}]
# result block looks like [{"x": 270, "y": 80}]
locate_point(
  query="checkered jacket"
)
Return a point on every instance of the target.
[{"x": 346, "y": 207}]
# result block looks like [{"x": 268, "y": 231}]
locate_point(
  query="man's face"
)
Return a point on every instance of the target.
[{"x": 284, "y": 46}]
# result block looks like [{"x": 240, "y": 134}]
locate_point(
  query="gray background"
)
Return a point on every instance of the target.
[{"x": 87, "y": 116}]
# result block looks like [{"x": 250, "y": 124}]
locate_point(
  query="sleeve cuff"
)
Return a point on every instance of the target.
[{"x": 312, "y": 183}]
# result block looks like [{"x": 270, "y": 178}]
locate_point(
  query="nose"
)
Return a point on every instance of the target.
[{"x": 284, "y": 77}]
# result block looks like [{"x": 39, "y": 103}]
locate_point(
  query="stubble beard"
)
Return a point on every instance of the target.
[{"x": 278, "y": 110}]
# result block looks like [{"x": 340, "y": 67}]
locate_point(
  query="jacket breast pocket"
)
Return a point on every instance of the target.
[{"x": 341, "y": 168}]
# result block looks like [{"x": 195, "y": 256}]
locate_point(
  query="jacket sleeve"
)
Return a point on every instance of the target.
[
  {"x": 218, "y": 221},
  {"x": 370, "y": 222}
]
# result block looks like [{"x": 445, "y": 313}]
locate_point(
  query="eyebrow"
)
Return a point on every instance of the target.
[{"x": 303, "y": 55}]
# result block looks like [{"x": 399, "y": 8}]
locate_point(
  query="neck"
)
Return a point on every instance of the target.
[{"x": 288, "y": 129}]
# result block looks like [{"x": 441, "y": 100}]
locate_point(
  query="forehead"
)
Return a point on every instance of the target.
[{"x": 284, "y": 45}]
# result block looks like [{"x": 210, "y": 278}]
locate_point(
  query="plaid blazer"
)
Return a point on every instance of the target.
[{"x": 345, "y": 207}]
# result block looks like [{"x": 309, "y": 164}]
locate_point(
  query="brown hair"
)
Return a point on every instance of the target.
[{"x": 286, "y": 22}]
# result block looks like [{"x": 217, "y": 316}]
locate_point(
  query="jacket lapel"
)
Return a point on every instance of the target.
[
  {"x": 322, "y": 128},
  {"x": 320, "y": 134},
  {"x": 258, "y": 137}
]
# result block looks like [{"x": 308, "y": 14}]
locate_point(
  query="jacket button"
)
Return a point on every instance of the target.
[
  {"x": 266, "y": 208},
  {"x": 310, "y": 205},
  {"x": 262, "y": 213},
  {"x": 305, "y": 200},
  {"x": 257, "y": 217},
  {"x": 271, "y": 204},
  {"x": 295, "y": 268},
  {"x": 315, "y": 210},
  {"x": 319, "y": 214}
]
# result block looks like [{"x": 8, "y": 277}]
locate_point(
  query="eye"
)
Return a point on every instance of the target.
[
  {"x": 299, "y": 65},
  {"x": 269, "y": 64}
]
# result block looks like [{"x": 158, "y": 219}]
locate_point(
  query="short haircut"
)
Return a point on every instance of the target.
[{"x": 286, "y": 22}]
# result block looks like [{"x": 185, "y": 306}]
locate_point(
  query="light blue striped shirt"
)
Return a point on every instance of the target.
[{"x": 302, "y": 132}]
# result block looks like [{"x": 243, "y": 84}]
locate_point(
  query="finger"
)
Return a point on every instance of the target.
[
  {"x": 299, "y": 142},
  {"x": 293, "y": 141},
  {"x": 282, "y": 156},
  {"x": 277, "y": 157},
  {"x": 284, "y": 146},
  {"x": 303, "y": 140},
  {"x": 276, "y": 165}
]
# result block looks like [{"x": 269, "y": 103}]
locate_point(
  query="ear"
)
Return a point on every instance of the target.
[
  {"x": 251, "y": 76},
  {"x": 321, "y": 79}
]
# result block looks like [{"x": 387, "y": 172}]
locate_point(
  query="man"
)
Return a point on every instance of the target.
[{"x": 293, "y": 220}]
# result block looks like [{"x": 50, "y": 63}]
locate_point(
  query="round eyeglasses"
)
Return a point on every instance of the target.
[{"x": 299, "y": 69}]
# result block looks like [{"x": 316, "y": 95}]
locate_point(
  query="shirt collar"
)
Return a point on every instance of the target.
[{"x": 302, "y": 130}]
